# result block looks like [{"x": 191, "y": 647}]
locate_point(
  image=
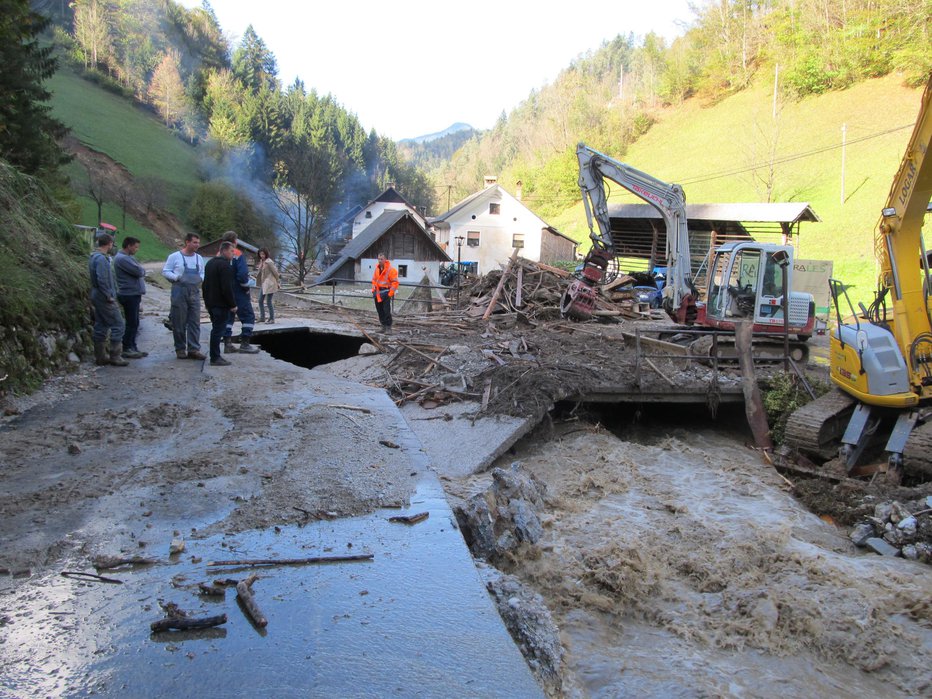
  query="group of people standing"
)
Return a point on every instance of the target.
[
  {"x": 224, "y": 281},
  {"x": 122, "y": 283}
]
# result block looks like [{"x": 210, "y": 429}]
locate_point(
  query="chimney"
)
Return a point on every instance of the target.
[
  {"x": 491, "y": 181},
  {"x": 519, "y": 189}
]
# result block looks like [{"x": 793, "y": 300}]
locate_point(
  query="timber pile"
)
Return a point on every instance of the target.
[{"x": 532, "y": 291}]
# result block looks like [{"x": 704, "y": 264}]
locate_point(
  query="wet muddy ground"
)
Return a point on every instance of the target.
[{"x": 674, "y": 561}]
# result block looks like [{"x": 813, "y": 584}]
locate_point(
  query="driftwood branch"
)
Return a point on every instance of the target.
[
  {"x": 410, "y": 519},
  {"x": 183, "y": 623},
  {"x": 244, "y": 593},
  {"x": 292, "y": 561},
  {"x": 110, "y": 562}
]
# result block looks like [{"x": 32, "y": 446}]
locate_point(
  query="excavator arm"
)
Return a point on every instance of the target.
[{"x": 668, "y": 199}]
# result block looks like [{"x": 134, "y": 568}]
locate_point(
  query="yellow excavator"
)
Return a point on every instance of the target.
[{"x": 881, "y": 358}]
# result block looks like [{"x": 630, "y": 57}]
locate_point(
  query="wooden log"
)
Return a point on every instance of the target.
[
  {"x": 110, "y": 562},
  {"x": 244, "y": 594},
  {"x": 349, "y": 407},
  {"x": 753, "y": 403},
  {"x": 211, "y": 590},
  {"x": 410, "y": 519},
  {"x": 501, "y": 285},
  {"x": 292, "y": 561},
  {"x": 427, "y": 357},
  {"x": 183, "y": 623},
  {"x": 555, "y": 270}
]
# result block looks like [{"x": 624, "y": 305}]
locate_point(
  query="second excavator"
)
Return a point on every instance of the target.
[{"x": 881, "y": 358}]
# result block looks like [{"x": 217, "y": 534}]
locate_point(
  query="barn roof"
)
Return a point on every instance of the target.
[{"x": 783, "y": 212}]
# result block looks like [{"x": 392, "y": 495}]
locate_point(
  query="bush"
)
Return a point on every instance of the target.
[{"x": 782, "y": 395}]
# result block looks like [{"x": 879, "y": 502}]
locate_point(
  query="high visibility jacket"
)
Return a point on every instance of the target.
[{"x": 385, "y": 277}]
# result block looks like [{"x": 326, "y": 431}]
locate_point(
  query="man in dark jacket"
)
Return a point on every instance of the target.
[
  {"x": 131, "y": 286},
  {"x": 219, "y": 299},
  {"x": 107, "y": 318},
  {"x": 241, "y": 287}
]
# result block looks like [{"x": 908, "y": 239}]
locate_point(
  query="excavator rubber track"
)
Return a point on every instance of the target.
[
  {"x": 917, "y": 456},
  {"x": 817, "y": 427}
]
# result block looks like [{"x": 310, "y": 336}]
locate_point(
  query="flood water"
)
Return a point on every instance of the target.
[
  {"x": 384, "y": 627},
  {"x": 680, "y": 565}
]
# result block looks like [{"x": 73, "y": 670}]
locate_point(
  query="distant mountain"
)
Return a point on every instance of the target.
[
  {"x": 433, "y": 150},
  {"x": 455, "y": 128}
]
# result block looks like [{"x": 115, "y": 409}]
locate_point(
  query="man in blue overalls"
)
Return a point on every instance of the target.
[
  {"x": 185, "y": 270},
  {"x": 241, "y": 286}
]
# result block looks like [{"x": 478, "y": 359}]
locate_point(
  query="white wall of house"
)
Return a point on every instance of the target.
[
  {"x": 409, "y": 271},
  {"x": 496, "y": 231},
  {"x": 376, "y": 209}
]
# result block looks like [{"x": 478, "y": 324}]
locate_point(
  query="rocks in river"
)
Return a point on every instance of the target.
[
  {"x": 505, "y": 515},
  {"x": 897, "y": 530}
]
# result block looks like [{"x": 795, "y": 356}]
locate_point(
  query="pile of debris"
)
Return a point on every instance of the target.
[
  {"x": 533, "y": 291},
  {"x": 898, "y": 530}
]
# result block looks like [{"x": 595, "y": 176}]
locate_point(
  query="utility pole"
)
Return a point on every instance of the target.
[
  {"x": 844, "y": 134},
  {"x": 776, "y": 82}
]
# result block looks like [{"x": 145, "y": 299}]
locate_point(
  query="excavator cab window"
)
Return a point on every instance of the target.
[{"x": 771, "y": 298}]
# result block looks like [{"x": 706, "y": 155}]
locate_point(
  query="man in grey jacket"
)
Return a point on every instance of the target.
[
  {"x": 107, "y": 317},
  {"x": 131, "y": 286}
]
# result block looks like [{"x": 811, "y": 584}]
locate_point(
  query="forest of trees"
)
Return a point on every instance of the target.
[
  {"x": 308, "y": 157},
  {"x": 610, "y": 96},
  {"x": 313, "y": 159}
]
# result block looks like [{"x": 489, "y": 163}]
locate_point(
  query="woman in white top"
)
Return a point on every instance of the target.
[{"x": 268, "y": 281}]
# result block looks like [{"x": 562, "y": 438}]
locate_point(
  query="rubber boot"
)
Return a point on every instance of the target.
[
  {"x": 228, "y": 346},
  {"x": 100, "y": 353},
  {"x": 247, "y": 348},
  {"x": 116, "y": 350}
]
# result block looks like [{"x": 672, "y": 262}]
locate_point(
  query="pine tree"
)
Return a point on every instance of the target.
[
  {"x": 254, "y": 64},
  {"x": 28, "y": 133}
]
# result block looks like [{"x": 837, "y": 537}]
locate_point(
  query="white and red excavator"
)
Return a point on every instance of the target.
[{"x": 748, "y": 281}]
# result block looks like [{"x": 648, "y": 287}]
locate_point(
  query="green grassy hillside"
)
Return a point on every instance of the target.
[
  {"x": 695, "y": 143},
  {"x": 131, "y": 136}
]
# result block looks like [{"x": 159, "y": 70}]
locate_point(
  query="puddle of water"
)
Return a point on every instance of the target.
[{"x": 414, "y": 621}]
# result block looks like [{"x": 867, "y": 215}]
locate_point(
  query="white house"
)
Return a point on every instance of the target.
[
  {"x": 486, "y": 227},
  {"x": 389, "y": 200}
]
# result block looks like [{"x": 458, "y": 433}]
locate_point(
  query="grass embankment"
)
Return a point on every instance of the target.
[
  {"x": 131, "y": 136},
  {"x": 716, "y": 151},
  {"x": 43, "y": 284}
]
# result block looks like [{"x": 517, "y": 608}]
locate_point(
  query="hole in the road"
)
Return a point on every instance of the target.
[{"x": 306, "y": 348}]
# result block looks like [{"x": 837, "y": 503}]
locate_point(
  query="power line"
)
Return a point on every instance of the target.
[{"x": 750, "y": 168}]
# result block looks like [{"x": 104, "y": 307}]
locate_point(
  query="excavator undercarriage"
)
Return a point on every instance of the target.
[{"x": 837, "y": 431}]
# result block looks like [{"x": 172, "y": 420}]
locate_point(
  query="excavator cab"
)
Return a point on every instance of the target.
[{"x": 747, "y": 283}]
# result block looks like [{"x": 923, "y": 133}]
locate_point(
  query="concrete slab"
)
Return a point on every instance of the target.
[{"x": 463, "y": 445}]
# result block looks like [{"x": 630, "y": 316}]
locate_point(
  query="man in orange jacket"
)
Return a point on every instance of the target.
[{"x": 384, "y": 285}]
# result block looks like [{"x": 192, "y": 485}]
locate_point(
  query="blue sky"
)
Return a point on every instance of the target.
[{"x": 414, "y": 67}]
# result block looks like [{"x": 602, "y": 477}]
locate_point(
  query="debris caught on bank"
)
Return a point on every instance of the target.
[{"x": 410, "y": 519}]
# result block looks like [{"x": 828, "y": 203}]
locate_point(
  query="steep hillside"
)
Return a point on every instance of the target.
[
  {"x": 721, "y": 153},
  {"x": 43, "y": 284},
  {"x": 124, "y": 154}
]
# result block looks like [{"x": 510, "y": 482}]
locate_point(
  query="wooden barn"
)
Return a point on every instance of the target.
[{"x": 401, "y": 235}]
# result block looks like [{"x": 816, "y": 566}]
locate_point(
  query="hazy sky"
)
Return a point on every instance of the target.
[{"x": 413, "y": 67}]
